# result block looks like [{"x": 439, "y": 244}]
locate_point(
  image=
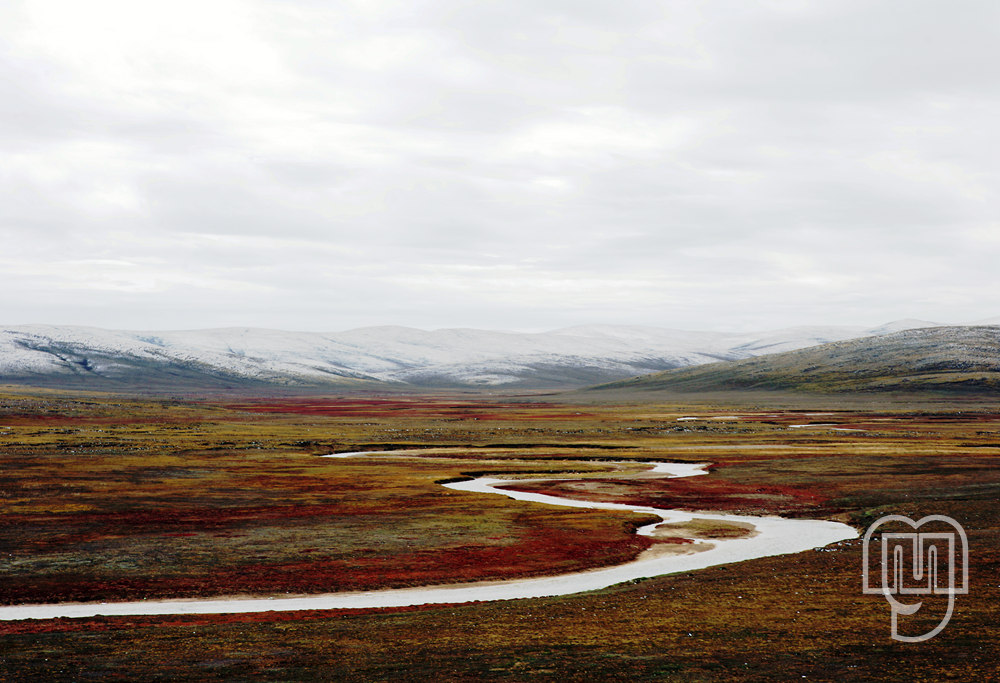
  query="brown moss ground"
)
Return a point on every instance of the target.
[{"x": 770, "y": 619}]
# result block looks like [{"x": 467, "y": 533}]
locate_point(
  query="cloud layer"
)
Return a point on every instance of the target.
[{"x": 522, "y": 165}]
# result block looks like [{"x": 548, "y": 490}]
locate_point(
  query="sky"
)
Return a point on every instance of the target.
[{"x": 521, "y": 165}]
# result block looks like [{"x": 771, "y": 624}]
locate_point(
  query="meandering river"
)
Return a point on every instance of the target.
[{"x": 774, "y": 536}]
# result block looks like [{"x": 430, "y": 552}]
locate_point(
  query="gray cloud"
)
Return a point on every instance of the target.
[{"x": 311, "y": 165}]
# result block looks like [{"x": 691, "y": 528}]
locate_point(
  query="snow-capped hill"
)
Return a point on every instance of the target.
[
  {"x": 201, "y": 356},
  {"x": 576, "y": 356},
  {"x": 794, "y": 338},
  {"x": 955, "y": 359},
  {"x": 902, "y": 325},
  {"x": 987, "y": 321}
]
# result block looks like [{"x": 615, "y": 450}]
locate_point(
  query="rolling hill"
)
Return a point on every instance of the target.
[
  {"x": 942, "y": 359},
  {"x": 378, "y": 357}
]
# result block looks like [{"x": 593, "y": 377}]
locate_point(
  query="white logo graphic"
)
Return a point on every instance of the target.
[{"x": 927, "y": 549}]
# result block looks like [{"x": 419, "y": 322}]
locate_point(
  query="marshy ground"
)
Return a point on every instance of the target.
[{"x": 110, "y": 498}]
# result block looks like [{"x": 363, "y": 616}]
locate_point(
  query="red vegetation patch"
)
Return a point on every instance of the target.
[
  {"x": 538, "y": 552},
  {"x": 696, "y": 493},
  {"x": 413, "y": 408}
]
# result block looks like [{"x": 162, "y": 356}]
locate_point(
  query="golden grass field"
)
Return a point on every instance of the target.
[{"x": 109, "y": 498}]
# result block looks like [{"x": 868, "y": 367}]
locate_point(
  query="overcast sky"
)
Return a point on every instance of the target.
[{"x": 520, "y": 164}]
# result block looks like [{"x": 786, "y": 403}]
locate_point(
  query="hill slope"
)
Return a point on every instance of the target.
[
  {"x": 952, "y": 359},
  {"x": 375, "y": 357}
]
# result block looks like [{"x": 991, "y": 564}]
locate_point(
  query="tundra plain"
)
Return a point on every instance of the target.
[{"x": 110, "y": 498}]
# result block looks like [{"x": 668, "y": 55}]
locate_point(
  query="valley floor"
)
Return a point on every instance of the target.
[{"x": 110, "y": 498}]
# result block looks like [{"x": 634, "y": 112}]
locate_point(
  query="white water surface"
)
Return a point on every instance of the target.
[{"x": 775, "y": 536}]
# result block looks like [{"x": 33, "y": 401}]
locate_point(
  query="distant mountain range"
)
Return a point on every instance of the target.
[
  {"x": 381, "y": 357},
  {"x": 954, "y": 359}
]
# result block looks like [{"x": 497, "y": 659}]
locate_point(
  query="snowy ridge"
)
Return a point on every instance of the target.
[{"x": 573, "y": 356}]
